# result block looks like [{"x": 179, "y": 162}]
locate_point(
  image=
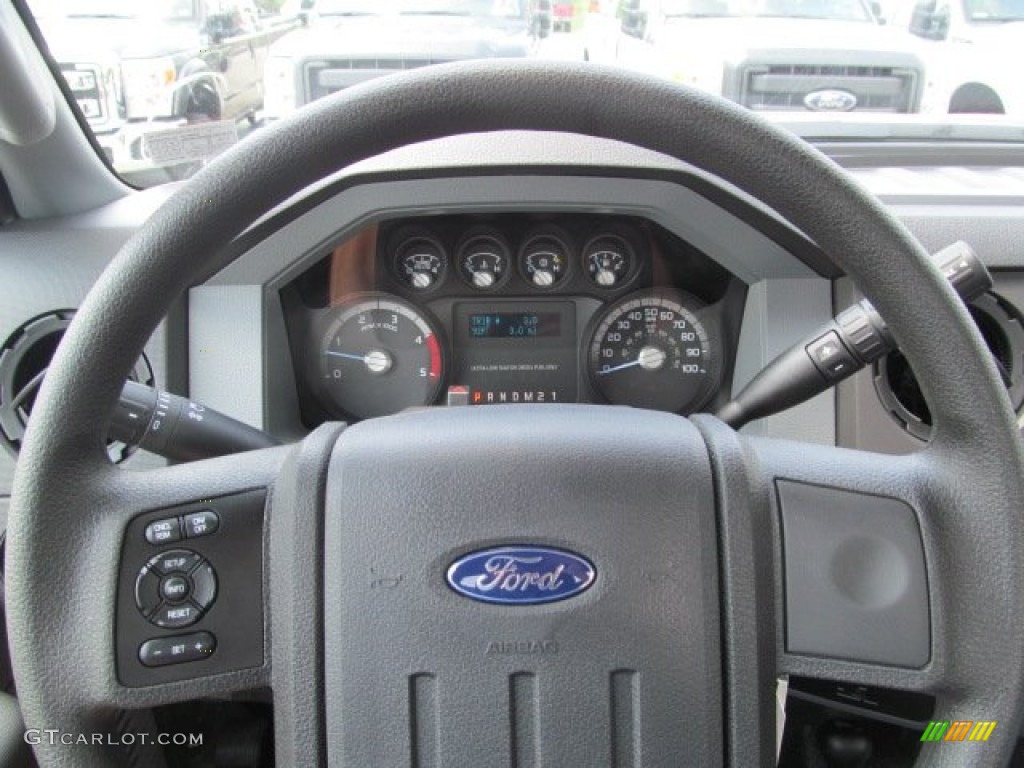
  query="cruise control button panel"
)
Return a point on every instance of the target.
[
  {"x": 162, "y": 651},
  {"x": 190, "y": 590}
]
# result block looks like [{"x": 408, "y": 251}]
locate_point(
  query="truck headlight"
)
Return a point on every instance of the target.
[
  {"x": 279, "y": 97},
  {"x": 706, "y": 74},
  {"x": 148, "y": 87}
]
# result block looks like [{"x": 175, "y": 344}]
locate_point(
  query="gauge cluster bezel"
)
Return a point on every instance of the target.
[{"x": 657, "y": 262}]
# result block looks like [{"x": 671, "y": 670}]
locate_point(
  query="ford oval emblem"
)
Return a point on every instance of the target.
[
  {"x": 830, "y": 100},
  {"x": 520, "y": 575}
]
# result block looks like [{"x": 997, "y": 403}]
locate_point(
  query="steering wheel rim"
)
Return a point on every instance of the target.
[{"x": 63, "y": 466}]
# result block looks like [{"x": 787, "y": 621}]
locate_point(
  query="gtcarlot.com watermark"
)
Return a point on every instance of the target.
[{"x": 37, "y": 736}]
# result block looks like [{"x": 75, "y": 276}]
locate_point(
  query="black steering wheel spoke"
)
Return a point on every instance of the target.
[
  {"x": 172, "y": 560},
  {"x": 876, "y": 565}
]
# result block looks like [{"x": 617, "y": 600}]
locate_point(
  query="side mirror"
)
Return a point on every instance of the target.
[
  {"x": 876, "y": 11},
  {"x": 634, "y": 19}
]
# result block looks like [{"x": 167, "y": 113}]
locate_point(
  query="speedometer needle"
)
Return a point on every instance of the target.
[
  {"x": 650, "y": 359},
  {"x": 606, "y": 371}
]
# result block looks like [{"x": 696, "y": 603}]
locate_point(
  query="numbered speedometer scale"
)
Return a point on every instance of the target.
[
  {"x": 651, "y": 351},
  {"x": 379, "y": 356}
]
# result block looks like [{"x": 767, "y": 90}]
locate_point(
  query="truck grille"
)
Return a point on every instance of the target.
[
  {"x": 323, "y": 78},
  {"x": 785, "y": 86},
  {"x": 85, "y": 84}
]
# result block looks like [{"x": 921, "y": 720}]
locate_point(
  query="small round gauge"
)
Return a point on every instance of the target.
[
  {"x": 483, "y": 261},
  {"x": 420, "y": 262},
  {"x": 608, "y": 261},
  {"x": 378, "y": 356},
  {"x": 544, "y": 260},
  {"x": 651, "y": 351}
]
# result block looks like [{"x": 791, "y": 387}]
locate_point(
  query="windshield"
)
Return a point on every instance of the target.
[
  {"x": 840, "y": 10},
  {"x": 497, "y": 8},
  {"x": 115, "y": 9},
  {"x": 163, "y": 98},
  {"x": 994, "y": 10}
]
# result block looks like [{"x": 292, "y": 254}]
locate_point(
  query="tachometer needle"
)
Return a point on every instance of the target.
[
  {"x": 347, "y": 355},
  {"x": 606, "y": 371}
]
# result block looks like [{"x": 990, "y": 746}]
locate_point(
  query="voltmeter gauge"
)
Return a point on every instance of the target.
[
  {"x": 652, "y": 351},
  {"x": 420, "y": 262},
  {"x": 608, "y": 261},
  {"x": 380, "y": 355}
]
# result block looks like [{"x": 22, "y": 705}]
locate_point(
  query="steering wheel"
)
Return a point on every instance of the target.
[{"x": 722, "y": 561}]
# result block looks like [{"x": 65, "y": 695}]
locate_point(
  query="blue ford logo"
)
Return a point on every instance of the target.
[
  {"x": 520, "y": 575},
  {"x": 830, "y": 100}
]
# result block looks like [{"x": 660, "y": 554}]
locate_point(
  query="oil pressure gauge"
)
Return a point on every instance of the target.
[{"x": 420, "y": 262}]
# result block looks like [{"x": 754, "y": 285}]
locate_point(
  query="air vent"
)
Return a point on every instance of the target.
[
  {"x": 24, "y": 358},
  {"x": 1001, "y": 328}
]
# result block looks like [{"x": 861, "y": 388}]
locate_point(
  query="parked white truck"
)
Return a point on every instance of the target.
[
  {"x": 777, "y": 55},
  {"x": 971, "y": 46}
]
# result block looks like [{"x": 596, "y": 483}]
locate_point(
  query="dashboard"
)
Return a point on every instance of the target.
[
  {"x": 469, "y": 310},
  {"x": 450, "y": 237}
]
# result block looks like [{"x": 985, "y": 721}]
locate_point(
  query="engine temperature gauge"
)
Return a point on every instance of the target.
[
  {"x": 420, "y": 262},
  {"x": 483, "y": 261},
  {"x": 608, "y": 261}
]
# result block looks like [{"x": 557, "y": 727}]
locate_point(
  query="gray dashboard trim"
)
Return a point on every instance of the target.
[
  {"x": 778, "y": 314},
  {"x": 225, "y": 350},
  {"x": 723, "y": 237}
]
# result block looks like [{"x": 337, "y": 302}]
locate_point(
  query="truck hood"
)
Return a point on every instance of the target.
[
  {"x": 435, "y": 37},
  {"x": 741, "y": 37},
  {"x": 95, "y": 39}
]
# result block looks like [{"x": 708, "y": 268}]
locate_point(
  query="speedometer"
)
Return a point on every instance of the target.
[{"x": 651, "y": 351}]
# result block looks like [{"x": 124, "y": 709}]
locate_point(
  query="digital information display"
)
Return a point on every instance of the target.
[
  {"x": 515, "y": 325},
  {"x": 514, "y": 352}
]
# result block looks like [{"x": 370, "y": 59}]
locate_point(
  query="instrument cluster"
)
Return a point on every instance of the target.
[{"x": 471, "y": 310}]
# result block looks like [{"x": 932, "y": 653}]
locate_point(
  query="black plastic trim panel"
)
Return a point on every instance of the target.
[{"x": 235, "y": 619}]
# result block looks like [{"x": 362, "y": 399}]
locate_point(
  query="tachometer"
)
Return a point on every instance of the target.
[
  {"x": 651, "y": 351},
  {"x": 380, "y": 355}
]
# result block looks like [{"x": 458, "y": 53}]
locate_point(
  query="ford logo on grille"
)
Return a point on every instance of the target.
[
  {"x": 831, "y": 100},
  {"x": 520, "y": 575}
]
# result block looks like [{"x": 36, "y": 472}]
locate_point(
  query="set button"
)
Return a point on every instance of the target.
[
  {"x": 174, "y": 589},
  {"x": 161, "y": 651}
]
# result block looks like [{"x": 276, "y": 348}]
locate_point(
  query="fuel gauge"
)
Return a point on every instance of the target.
[{"x": 608, "y": 261}]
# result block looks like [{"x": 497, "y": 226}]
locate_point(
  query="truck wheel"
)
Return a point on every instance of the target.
[
  {"x": 976, "y": 98},
  {"x": 203, "y": 103}
]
